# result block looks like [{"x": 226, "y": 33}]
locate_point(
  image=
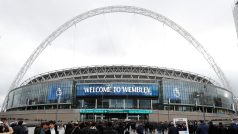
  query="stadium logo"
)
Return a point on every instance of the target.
[{"x": 176, "y": 93}]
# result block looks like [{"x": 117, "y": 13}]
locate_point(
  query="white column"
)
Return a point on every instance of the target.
[
  {"x": 82, "y": 117},
  {"x": 110, "y": 104},
  {"x": 102, "y": 117}
]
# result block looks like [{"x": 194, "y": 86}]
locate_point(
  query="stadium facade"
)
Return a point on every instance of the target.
[
  {"x": 119, "y": 93},
  {"x": 235, "y": 15}
]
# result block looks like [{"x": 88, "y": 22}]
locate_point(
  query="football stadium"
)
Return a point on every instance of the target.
[
  {"x": 119, "y": 92},
  {"x": 138, "y": 93}
]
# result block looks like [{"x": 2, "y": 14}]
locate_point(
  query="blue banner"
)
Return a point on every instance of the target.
[
  {"x": 53, "y": 92},
  {"x": 174, "y": 94},
  {"x": 117, "y": 89}
]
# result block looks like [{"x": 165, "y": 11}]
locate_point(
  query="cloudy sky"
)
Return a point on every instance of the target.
[{"x": 117, "y": 38}]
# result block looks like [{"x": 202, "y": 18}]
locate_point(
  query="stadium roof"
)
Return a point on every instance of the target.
[{"x": 118, "y": 72}]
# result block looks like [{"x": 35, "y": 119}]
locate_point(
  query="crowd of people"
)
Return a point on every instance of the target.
[
  {"x": 13, "y": 128},
  {"x": 201, "y": 127},
  {"x": 118, "y": 127},
  {"x": 193, "y": 127}
]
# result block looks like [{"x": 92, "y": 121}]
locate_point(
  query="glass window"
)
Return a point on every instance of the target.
[
  {"x": 17, "y": 97},
  {"x": 10, "y": 100},
  {"x": 117, "y": 103},
  {"x": 145, "y": 104},
  {"x": 79, "y": 103},
  {"x": 155, "y": 104},
  {"x": 40, "y": 94},
  {"x": 224, "y": 99},
  {"x": 208, "y": 95},
  {"x": 89, "y": 103},
  {"x": 131, "y": 103},
  {"x": 184, "y": 92},
  {"x": 102, "y": 103},
  {"x": 105, "y": 103}
]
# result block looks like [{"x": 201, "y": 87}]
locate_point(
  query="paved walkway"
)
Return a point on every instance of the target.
[{"x": 31, "y": 131}]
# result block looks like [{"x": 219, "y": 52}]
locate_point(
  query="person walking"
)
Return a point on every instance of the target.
[
  {"x": 212, "y": 128},
  {"x": 20, "y": 129},
  {"x": 172, "y": 129},
  {"x": 140, "y": 129},
  {"x": 120, "y": 129},
  {"x": 221, "y": 129},
  {"x": 76, "y": 129},
  {"x": 163, "y": 127},
  {"x": 52, "y": 128},
  {"x": 42, "y": 128},
  {"x": 233, "y": 128},
  {"x": 202, "y": 128}
]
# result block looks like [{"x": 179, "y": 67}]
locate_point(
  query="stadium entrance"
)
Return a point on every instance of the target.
[{"x": 114, "y": 115}]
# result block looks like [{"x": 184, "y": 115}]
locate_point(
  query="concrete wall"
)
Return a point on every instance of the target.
[
  {"x": 38, "y": 115},
  {"x": 74, "y": 115},
  {"x": 161, "y": 115}
]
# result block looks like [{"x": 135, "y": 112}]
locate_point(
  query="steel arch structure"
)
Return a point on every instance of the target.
[{"x": 113, "y": 9}]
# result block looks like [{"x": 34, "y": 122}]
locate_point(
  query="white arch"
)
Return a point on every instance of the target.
[
  {"x": 112, "y": 9},
  {"x": 127, "y": 9}
]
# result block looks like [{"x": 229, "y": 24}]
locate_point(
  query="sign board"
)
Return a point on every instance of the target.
[
  {"x": 103, "y": 111},
  {"x": 182, "y": 124},
  {"x": 117, "y": 90}
]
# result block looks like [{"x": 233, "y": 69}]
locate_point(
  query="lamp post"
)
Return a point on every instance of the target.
[
  {"x": 168, "y": 108},
  {"x": 58, "y": 95},
  {"x": 203, "y": 109},
  {"x": 200, "y": 95},
  {"x": 203, "y": 102},
  {"x": 214, "y": 108},
  {"x": 196, "y": 104}
]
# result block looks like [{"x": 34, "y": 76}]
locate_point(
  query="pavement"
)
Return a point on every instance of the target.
[{"x": 31, "y": 131}]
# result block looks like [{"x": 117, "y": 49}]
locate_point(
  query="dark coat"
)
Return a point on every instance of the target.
[
  {"x": 233, "y": 129},
  {"x": 75, "y": 130},
  {"x": 93, "y": 131},
  {"x": 19, "y": 129},
  {"x": 100, "y": 128},
  {"x": 191, "y": 128},
  {"x": 221, "y": 129},
  {"x": 37, "y": 130},
  {"x": 202, "y": 129},
  {"x": 88, "y": 130},
  {"x": 120, "y": 129},
  {"x": 212, "y": 129},
  {"x": 69, "y": 128},
  {"x": 109, "y": 130},
  {"x": 140, "y": 129},
  {"x": 173, "y": 130}
]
